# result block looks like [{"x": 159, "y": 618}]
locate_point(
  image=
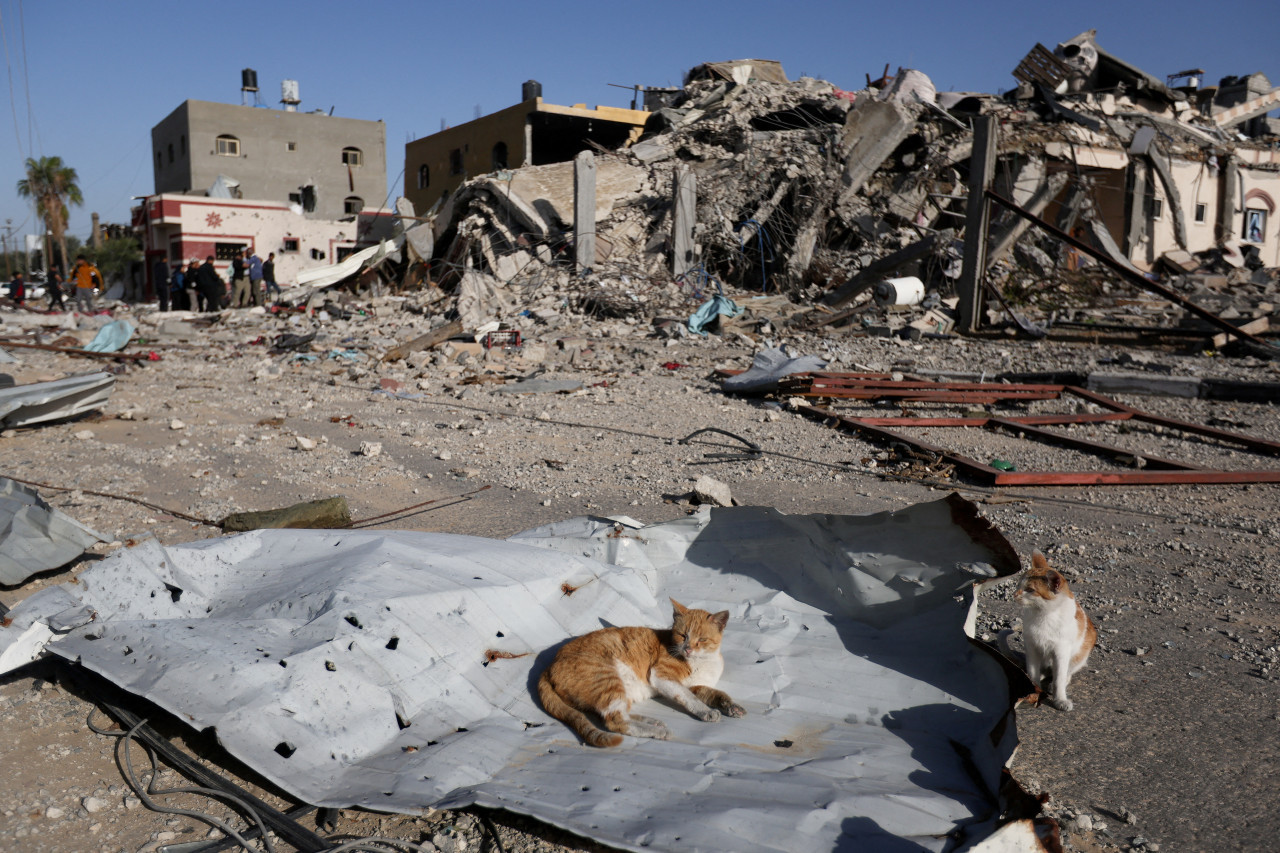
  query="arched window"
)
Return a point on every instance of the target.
[
  {"x": 352, "y": 156},
  {"x": 424, "y": 176},
  {"x": 500, "y": 155},
  {"x": 227, "y": 145},
  {"x": 352, "y": 204}
]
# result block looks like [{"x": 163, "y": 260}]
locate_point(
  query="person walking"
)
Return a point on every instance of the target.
[
  {"x": 269, "y": 274},
  {"x": 210, "y": 286},
  {"x": 255, "y": 278},
  {"x": 86, "y": 277},
  {"x": 56, "y": 300}
]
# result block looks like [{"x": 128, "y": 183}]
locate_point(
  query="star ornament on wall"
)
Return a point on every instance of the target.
[{"x": 213, "y": 220}]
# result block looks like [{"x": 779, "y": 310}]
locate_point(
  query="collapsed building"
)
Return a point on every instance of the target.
[{"x": 747, "y": 180}]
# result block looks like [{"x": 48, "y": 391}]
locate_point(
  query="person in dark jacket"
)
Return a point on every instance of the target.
[
  {"x": 191, "y": 298},
  {"x": 209, "y": 286},
  {"x": 176, "y": 288},
  {"x": 18, "y": 288},
  {"x": 160, "y": 282},
  {"x": 54, "y": 289},
  {"x": 269, "y": 274}
]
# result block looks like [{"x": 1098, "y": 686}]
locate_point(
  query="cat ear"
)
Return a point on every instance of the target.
[
  {"x": 1038, "y": 561},
  {"x": 721, "y": 618},
  {"x": 679, "y": 608},
  {"x": 1055, "y": 581}
]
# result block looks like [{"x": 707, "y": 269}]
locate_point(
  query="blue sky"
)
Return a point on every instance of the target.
[{"x": 86, "y": 81}]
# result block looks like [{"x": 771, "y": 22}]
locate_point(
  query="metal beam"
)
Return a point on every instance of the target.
[{"x": 1134, "y": 277}]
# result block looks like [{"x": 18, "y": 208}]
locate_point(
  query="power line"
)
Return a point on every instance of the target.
[{"x": 17, "y": 133}]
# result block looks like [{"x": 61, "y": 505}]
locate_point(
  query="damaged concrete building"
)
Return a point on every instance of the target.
[{"x": 746, "y": 179}]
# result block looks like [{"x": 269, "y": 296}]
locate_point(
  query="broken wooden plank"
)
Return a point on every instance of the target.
[{"x": 430, "y": 339}]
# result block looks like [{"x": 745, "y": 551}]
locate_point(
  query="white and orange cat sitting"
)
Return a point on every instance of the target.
[
  {"x": 1056, "y": 633},
  {"x": 607, "y": 671}
]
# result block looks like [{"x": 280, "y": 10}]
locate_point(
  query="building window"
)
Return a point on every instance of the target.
[
  {"x": 227, "y": 146},
  {"x": 290, "y": 245},
  {"x": 1157, "y": 208},
  {"x": 170, "y": 153},
  {"x": 182, "y": 145},
  {"x": 500, "y": 156},
  {"x": 227, "y": 251},
  {"x": 291, "y": 146},
  {"x": 1255, "y": 225},
  {"x": 344, "y": 252},
  {"x": 352, "y": 204},
  {"x": 455, "y": 161},
  {"x": 424, "y": 176},
  {"x": 352, "y": 156},
  {"x": 159, "y": 161},
  {"x": 1201, "y": 211}
]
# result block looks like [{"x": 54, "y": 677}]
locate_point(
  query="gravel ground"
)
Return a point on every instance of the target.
[{"x": 1172, "y": 744}]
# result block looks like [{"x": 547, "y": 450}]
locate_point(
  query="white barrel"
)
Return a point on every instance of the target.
[{"x": 907, "y": 290}]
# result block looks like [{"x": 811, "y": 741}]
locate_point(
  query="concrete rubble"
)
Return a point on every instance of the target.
[{"x": 812, "y": 196}]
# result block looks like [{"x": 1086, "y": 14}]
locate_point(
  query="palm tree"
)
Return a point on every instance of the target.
[{"x": 51, "y": 185}]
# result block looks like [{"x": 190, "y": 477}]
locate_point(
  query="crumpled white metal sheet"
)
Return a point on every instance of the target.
[
  {"x": 34, "y": 536},
  {"x": 371, "y": 669},
  {"x": 24, "y": 405}
]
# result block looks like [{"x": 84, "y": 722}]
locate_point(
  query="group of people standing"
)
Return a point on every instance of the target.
[
  {"x": 199, "y": 287},
  {"x": 84, "y": 276}
]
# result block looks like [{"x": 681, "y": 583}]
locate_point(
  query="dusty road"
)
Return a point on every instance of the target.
[{"x": 1172, "y": 744}]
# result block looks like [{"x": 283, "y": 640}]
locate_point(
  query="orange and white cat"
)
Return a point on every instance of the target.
[
  {"x": 1056, "y": 633},
  {"x": 607, "y": 671}
]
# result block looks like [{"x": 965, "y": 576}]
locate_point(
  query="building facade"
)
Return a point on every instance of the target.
[
  {"x": 531, "y": 133},
  {"x": 178, "y": 228},
  {"x": 326, "y": 167}
]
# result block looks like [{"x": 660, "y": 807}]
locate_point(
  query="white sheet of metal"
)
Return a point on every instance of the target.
[
  {"x": 34, "y": 536},
  {"x": 354, "y": 668},
  {"x": 24, "y": 405}
]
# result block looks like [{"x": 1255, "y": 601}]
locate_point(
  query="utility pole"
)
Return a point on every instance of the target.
[{"x": 8, "y": 226}]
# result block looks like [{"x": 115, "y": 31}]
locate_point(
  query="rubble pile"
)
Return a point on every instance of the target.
[{"x": 818, "y": 194}]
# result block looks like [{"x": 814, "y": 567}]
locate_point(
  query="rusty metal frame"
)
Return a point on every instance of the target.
[{"x": 1155, "y": 470}]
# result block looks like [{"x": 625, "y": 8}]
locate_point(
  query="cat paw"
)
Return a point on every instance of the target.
[
  {"x": 1063, "y": 704},
  {"x": 733, "y": 710},
  {"x": 710, "y": 715}
]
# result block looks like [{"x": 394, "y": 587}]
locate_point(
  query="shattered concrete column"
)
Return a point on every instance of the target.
[
  {"x": 1227, "y": 210},
  {"x": 1174, "y": 199},
  {"x": 872, "y": 131},
  {"x": 977, "y": 212},
  {"x": 685, "y": 201},
  {"x": 1004, "y": 239},
  {"x": 1135, "y": 205},
  {"x": 584, "y": 210}
]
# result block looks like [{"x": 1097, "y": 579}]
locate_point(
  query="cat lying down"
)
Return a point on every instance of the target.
[
  {"x": 607, "y": 671},
  {"x": 1056, "y": 633}
]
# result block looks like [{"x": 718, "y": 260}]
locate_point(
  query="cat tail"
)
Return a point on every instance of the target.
[{"x": 572, "y": 717}]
